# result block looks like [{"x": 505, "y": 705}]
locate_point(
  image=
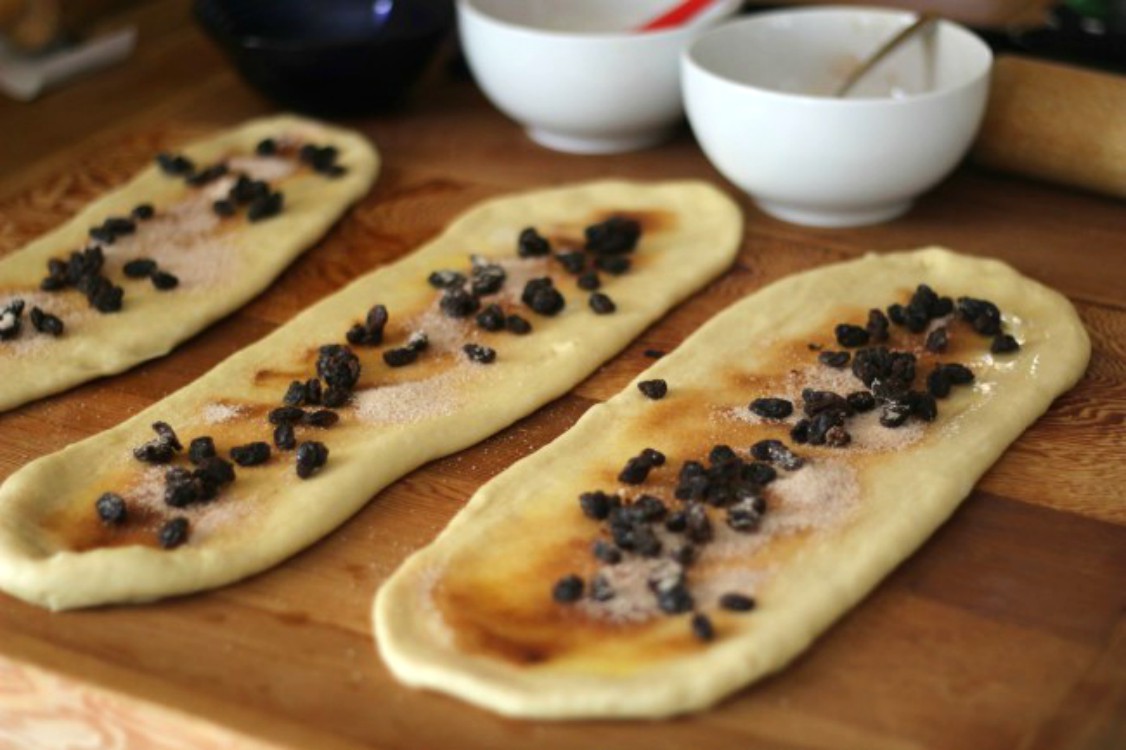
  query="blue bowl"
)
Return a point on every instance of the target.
[{"x": 329, "y": 56}]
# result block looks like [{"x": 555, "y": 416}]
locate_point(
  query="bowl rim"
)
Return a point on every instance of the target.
[
  {"x": 689, "y": 63},
  {"x": 730, "y": 8}
]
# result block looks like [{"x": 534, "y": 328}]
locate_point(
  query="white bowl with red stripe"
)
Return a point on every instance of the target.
[
  {"x": 758, "y": 93},
  {"x": 577, "y": 74}
]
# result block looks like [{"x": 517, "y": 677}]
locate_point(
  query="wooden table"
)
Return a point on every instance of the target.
[{"x": 1006, "y": 630}]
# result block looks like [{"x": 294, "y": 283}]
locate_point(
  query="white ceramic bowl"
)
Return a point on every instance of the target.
[
  {"x": 574, "y": 75},
  {"x": 756, "y": 95}
]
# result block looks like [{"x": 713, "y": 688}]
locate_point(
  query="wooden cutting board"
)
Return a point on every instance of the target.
[{"x": 1005, "y": 630}]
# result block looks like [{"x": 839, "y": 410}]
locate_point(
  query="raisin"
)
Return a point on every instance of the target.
[
  {"x": 815, "y": 402},
  {"x": 458, "y": 303},
  {"x": 335, "y": 397},
  {"x": 10, "y": 316},
  {"x": 589, "y": 281},
  {"x": 179, "y": 488},
  {"x": 477, "y": 353},
  {"x": 649, "y": 508},
  {"x": 338, "y": 366},
  {"x": 983, "y": 315},
  {"x": 851, "y": 336},
  {"x": 702, "y": 627},
  {"x": 655, "y": 389},
  {"x": 698, "y": 527},
  {"x": 676, "y": 522},
  {"x": 167, "y": 435},
  {"x": 734, "y": 602},
  {"x": 286, "y": 415},
  {"x": 567, "y": 590},
  {"x": 615, "y": 236},
  {"x": 251, "y": 454},
  {"x": 615, "y": 265},
  {"x": 746, "y": 515},
  {"x": 759, "y": 473},
  {"x": 488, "y": 278},
  {"x": 772, "y": 408},
  {"x": 775, "y": 451},
  {"x": 839, "y": 360},
  {"x": 602, "y": 304},
  {"x": 653, "y": 456},
  {"x": 606, "y": 553},
  {"x": 201, "y": 448},
  {"x": 530, "y": 244},
  {"x": 215, "y": 471},
  {"x": 861, "y": 401},
  {"x": 491, "y": 318},
  {"x": 400, "y": 357},
  {"x": 821, "y": 423},
  {"x": 518, "y": 325},
  {"x": 312, "y": 391},
  {"x": 572, "y": 262},
  {"x": 311, "y": 456},
  {"x": 207, "y": 175},
  {"x": 894, "y": 414},
  {"x": 938, "y": 382},
  {"x": 542, "y": 296},
  {"x": 174, "y": 164},
  {"x": 224, "y": 207},
  {"x": 635, "y": 471},
  {"x": 922, "y": 406},
  {"x": 164, "y": 281},
  {"x": 799, "y": 433},
  {"x": 143, "y": 211},
  {"x": 284, "y": 437},
  {"x": 45, "y": 322},
  {"x": 140, "y": 268},
  {"x": 720, "y": 454},
  {"x": 266, "y": 147},
  {"x": 600, "y": 589},
  {"x": 265, "y": 206},
  {"x": 154, "y": 452},
  {"x": 321, "y": 418},
  {"x": 1004, "y": 344},
  {"x": 246, "y": 190},
  {"x": 675, "y": 599},
  {"x": 110, "y": 508},
  {"x": 877, "y": 326},
  {"x": 173, "y": 533},
  {"x": 958, "y": 374},
  {"x": 446, "y": 279},
  {"x": 937, "y": 340},
  {"x": 294, "y": 394},
  {"x": 898, "y": 314},
  {"x": 370, "y": 332},
  {"x": 107, "y": 298},
  {"x": 597, "y": 504}
]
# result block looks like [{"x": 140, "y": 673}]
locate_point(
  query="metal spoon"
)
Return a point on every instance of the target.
[{"x": 924, "y": 20}]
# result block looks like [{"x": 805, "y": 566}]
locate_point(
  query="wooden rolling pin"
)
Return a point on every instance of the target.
[{"x": 1057, "y": 123}]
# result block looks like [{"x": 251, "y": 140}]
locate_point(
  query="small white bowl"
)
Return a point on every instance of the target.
[
  {"x": 574, "y": 74},
  {"x": 756, "y": 93}
]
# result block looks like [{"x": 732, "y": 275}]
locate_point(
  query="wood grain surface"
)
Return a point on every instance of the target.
[{"x": 1006, "y": 630}]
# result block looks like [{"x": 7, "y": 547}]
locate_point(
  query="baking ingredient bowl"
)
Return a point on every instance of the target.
[
  {"x": 757, "y": 94},
  {"x": 573, "y": 72},
  {"x": 329, "y": 56}
]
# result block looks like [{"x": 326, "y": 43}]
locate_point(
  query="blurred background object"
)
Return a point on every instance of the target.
[
  {"x": 330, "y": 56},
  {"x": 44, "y": 43}
]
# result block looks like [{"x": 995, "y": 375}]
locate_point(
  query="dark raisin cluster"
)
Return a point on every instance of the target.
[
  {"x": 322, "y": 159},
  {"x": 925, "y": 306},
  {"x": 182, "y": 486},
  {"x": 83, "y": 271},
  {"x": 727, "y": 482}
]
